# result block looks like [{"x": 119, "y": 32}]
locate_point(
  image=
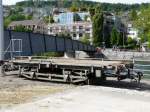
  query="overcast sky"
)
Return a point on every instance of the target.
[{"x": 9, "y": 2}]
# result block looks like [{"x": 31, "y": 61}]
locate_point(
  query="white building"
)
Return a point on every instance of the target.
[
  {"x": 132, "y": 32},
  {"x": 77, "y": 30},
  {"x": 68, "y": 17}
]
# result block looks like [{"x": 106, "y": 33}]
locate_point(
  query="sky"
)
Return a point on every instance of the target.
[{"x": 10, "y": 2}]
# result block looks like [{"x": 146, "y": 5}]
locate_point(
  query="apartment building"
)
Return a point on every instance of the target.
[
  {"x": 132, "y": 32},
  {"x": 77, "y": 30},
  {"x": 71, "y": 17}
]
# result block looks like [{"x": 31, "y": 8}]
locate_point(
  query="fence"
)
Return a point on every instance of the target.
[{"x": 34, "y": 43}]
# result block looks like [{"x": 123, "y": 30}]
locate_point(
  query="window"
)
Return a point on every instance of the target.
[
  {"x": 38, "y": 27},
  {"x": 51, "y": 30},
  {"x": 80, "y": 35},
  {"x": 74, "y": 27},
  {"x": 74, "y": 35},
  {"x": 80, "y": 27},
  {"x": 87, "y": 29}
]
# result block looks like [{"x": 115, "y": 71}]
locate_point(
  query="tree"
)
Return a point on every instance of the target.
[
  {"x": 85, "y": 39},
  {"x": 83, "y": 9},
  {"x": 98, "y": 27},
  {"x": 143, "y": 23},
  {"x": 17, "y": 17},
  {"x": 131, "y": 43},
  {"x": 114, "y": 36},
  {"x": 133, "y": 15},
  {"x": 64, "y": 34},
  {"x": 121, "y": 39},
  {"x": 92, "y": 11},
  {"x": 74, "y": 9},
  {"x": 49, "y": 19},
  {"x": 76, "y": 17},
  {"x": 7, "y": 21},
  {"x": 129, "y": 40},
  {"x": 149, "y": 40},
  {"x": 75, "y": 6},
  {"x": 21, "y": 28}
]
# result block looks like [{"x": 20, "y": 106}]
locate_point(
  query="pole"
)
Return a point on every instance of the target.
[
  {"x": 1, "y": 33},
  {"x": 123, "y": 40},
  {"x": 1, "y": 38}
]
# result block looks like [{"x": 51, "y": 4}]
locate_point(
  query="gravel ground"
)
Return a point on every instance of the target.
[
  {"x": 22, "y": 95},
  {"x": 15, "y": 91},
  {"x": 90, "y": 99}
]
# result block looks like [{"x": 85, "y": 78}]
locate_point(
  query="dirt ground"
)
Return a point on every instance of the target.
[
  {"x": 22, "y": 95},
  {"x": 90, "y": 99},
  {"x": 14, "y": 90}
]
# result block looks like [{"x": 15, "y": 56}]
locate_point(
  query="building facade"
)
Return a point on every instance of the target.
[
  {"x": 132, "y": 32},
  {"x": 112, "y": 21},
  {"x": 69, "y": 17},
  {"x": 77, "y": 30},
  {"x": 37, "y": 26}
]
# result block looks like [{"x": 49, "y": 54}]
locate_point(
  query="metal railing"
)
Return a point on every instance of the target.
[{"x": 15, "y": 46}]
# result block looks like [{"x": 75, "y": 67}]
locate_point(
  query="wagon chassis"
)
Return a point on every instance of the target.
[{"x": 62, "y": 70}]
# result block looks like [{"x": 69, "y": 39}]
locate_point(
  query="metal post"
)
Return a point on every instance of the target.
[
  {"x": 1, "y": 38},
  {"x": 1, "y": 33}
]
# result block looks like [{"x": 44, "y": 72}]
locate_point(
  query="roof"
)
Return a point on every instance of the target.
[{"x": 27, "y": 22}]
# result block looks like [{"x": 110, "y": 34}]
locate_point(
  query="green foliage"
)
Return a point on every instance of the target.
[
  {"x": 85, "y": 39},
  {"x": 18, "y": 9},
  {"x": 121, "y": 40},
  {"x": 29, "y": 17},
  {"x": 84, "y": 9},
  {"x": 49, "y": 19},
  {"x": 92, "y": 11},
  {"x": 15, "y": 17},
  {"x": 129, "y": 40},
  {"x": 7, "y": 21},
  {"x": 133, "y": 15},
  {"x": 98, "y": 27},
  {"x": 52, "y": 54},
  {"x": 114, "y": 36},
  {"x": 21, "y": 28},
  {"x": 143, "y": 23},
  {"x": 131, "y": 43},
  {"x": 86, "y": 17},
  {"x": 75, "y": 6},
  {"x": 74, "y": 9},
  {"x": 149, "y": 39},
  {"x": 76, "y": 17},
  {"x": 64, "y": 35},
  {"x": 81, "y": 4}
]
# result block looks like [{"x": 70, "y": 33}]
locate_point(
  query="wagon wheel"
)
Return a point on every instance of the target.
[
  {"x": 139, "y": 77},
  {"x": 5, "y": 68},
  {"x": 34, "y": 76}
]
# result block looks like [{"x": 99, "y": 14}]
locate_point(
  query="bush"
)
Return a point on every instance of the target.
[{"x": 51, "y": 54}]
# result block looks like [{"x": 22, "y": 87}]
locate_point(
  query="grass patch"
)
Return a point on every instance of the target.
[{"x": 50, "y": 54}]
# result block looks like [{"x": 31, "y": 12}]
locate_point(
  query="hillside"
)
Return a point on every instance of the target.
[{"x": 81, "y": 3}]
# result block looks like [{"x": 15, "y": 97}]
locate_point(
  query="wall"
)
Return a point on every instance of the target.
[
  {"x": 33, "y": 43},
  {"x": 126, "y": 55}
]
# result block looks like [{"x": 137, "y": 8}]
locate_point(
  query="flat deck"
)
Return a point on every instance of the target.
[{"x": 68, "y": 62}]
